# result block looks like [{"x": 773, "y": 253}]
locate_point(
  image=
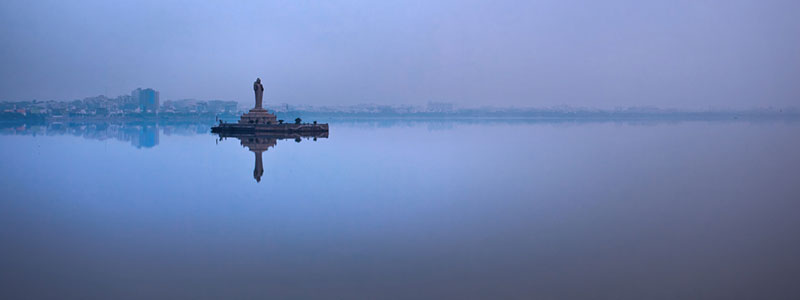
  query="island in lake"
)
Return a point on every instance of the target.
[{"x": 260, "y": 121}]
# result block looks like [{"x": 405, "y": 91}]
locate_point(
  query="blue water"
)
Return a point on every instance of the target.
[{"x": 404, "y": 209}]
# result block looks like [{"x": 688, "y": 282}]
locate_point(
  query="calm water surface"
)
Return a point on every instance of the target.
[{"x": 405, "y": 210}]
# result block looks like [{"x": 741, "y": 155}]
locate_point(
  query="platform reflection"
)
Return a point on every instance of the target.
[{"x": 258, "y": 143}]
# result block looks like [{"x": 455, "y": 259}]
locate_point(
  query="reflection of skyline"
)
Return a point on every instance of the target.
[
  {"x": 148, "y": 134},
  {"x": 258, "y": 143},
  {"x": 139, "y": 135}
]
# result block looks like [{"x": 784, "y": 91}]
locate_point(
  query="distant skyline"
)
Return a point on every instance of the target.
[{"x": 604, "y": 54}]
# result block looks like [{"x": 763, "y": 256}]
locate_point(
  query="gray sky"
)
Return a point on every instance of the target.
[{"x": 676, "y": 53}]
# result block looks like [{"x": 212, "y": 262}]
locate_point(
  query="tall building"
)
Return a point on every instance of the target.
[{"x": 148, "y": 99}]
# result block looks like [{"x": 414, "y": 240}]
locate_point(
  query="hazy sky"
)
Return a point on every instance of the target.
[{"x": 675, "y": 53}]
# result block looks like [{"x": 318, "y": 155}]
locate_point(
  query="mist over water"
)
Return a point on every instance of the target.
[
  {"x": 671, "y": 54},
  {"x": 406, "y": 210}
]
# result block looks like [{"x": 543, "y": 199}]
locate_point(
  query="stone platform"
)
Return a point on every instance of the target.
[
  {"x": 260, "y": 121},
  {"x": 229, "y": 128},
  {"x": 258, "y": 116}
]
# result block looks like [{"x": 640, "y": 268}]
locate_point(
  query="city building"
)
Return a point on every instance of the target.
[{"x": 148, "y": 99}]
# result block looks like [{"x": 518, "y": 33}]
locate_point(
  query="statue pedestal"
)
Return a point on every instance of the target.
[{"x": 258, "y": 116}]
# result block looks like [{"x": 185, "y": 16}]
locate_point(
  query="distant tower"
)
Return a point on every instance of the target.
[{"x": 148, "y": 99}]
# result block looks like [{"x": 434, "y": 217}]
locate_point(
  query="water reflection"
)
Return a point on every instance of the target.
[
  {"x": 487, "y": 210},
  {"x": 258, "y": 143},
  {"x": 138, "y": 134},
  {"x": 144, "y": 134}
]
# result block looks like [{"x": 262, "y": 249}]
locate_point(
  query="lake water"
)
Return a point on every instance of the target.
[{"x": 404, "y": 209}]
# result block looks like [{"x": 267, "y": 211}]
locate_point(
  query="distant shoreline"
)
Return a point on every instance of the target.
[{"x": 539, "y": 116}]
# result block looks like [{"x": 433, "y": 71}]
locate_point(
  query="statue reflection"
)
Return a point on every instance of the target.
[{"x": 258, "y": 143}]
